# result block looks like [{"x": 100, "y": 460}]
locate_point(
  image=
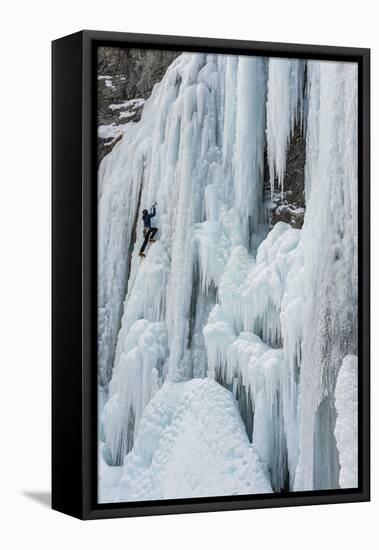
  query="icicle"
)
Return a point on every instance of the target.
[
  {"x": 136, "y": 377},
  {"x": 250, "y": 141},
  {"x": 284, "y": 109},
  {"x": 252, "y": 295}
]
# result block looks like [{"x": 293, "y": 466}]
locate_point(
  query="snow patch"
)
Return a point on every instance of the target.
[
  {"x": 108, "y": 81},
  {"x": 107, "y": 131},
  {"x": 163, "y": 464},
  {"x": 130, "y": 103}
]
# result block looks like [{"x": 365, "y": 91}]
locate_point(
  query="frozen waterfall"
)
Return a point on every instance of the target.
[{"x": 269, "y": 314}]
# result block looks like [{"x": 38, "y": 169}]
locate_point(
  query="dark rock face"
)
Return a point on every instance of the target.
[
  {"x": 289, "y": 207},
  {"x": 126, "y": 77}
]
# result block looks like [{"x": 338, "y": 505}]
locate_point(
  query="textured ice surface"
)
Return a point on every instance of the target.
[
  {"x": 164, "y": 462},
  {"x": 137, "y": 375},
  {"x": 346, "y": 430},
  {"x": 251, "y": 302},
  {"x": 330, "y": 255}
]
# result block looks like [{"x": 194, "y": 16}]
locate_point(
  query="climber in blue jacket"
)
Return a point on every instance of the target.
[{"x": 148, "y": 231}]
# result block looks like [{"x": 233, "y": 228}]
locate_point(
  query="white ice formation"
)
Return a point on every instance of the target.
[
  {"x": 163, "y": 462},
  {"x": 346, "y": 429},
  {"x": 221, "y": 299}
]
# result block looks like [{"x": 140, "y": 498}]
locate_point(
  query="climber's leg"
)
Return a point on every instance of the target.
[
  {"x": 152, "y": 232},
  {"x": 144, "y": 243}
]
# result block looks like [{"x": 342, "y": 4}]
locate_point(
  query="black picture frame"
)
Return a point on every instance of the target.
[{"x": 74, "y": 293}]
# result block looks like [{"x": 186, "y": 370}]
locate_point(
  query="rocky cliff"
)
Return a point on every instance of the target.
[
  {"x": 126, "y": 77},
  {"x": 289, "y": 206}
]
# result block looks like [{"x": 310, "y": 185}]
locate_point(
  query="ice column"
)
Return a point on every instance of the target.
[
  {"x": 329, "y": 242},
  {"x": 250, "y": 143},
  {"x": 346, "y": 430}
]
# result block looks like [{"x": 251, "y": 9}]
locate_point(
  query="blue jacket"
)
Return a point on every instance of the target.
[{"x": 147, "y": 217}]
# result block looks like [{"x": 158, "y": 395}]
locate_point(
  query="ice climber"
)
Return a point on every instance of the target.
[{"x": 148, "y": 231}]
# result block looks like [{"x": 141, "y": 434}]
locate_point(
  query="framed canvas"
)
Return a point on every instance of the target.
[{"x": 210, "y": 275}]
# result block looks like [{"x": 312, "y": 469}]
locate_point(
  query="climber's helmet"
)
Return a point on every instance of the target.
[{"x": 144, "y": 212}]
